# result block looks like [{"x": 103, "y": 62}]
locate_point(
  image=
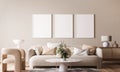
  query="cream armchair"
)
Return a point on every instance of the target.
[{"x": 13, "y": 55}]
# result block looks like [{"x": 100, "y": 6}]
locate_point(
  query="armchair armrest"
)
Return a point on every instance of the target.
[
  {"x": 23, "y": 55},
  {"x": 23, "y": 58}
]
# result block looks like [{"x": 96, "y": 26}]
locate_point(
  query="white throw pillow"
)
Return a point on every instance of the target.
[
  {"x": 52, "y": 45},
  {"x": 80, "y": 52},
  {"x": 37, "y": 51}
]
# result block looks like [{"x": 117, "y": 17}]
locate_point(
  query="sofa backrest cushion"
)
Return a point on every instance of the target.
[
  {"x": 37, "y": 49},
  {"x": 31, "y": 53},
  {"x": 71, "y": 49},
  {"x": 80, "y": 52},
  {"x": 48, "y": 51},
  {"x": 91, "y": 49}
]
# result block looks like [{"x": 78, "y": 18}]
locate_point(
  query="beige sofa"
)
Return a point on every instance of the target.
[{"x": 40, "y": 60}]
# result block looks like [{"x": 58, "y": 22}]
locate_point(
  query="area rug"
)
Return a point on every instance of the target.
[{"x": 69, "y": 70}]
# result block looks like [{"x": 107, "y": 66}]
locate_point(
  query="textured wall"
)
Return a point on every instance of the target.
[{"x": 16, "y": 19}]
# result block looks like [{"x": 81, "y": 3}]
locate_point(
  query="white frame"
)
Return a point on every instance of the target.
[
  {"x": 41, "y": 26},
  {"x": 63, "y": 25},
  {"x": 84, "y": 26}
]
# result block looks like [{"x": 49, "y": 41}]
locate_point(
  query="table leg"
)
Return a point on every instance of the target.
[{"x": 63, "y": 67}]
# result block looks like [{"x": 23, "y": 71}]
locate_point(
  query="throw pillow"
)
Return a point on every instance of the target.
[
  {"x": 49, "y": 51},
  {"x": 80, "y": 52},
  {"x": 38, "y": 50},
  {"x": 31, "y": 52},
  {"x": 91, "y": 49},
  {"x": 71, "y": 49}
]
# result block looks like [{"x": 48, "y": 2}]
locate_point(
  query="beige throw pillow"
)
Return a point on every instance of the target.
[
  {"x": 49, "y": 51},
  {"x": 91, "y": 49},
  {"x": 71, "y": 49}
]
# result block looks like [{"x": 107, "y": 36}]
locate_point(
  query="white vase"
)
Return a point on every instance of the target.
[{"x": 105, "y": 44}]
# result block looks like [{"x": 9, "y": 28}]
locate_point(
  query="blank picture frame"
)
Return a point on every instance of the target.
[
  {"x": 84, "y": 25},
  {"x": 41, "y": 26},
  {"x": 63, "y": 25}
]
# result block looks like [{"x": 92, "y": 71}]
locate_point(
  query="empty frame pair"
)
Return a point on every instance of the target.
[{"x": 63, "y": 26}]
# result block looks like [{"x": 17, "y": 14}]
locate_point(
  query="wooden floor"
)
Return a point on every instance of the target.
[
  {"x": 110, "y": 67},
  {"x": 107, "y": 67}
]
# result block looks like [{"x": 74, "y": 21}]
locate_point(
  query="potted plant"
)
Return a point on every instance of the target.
[{"x": 63, "y": 51}]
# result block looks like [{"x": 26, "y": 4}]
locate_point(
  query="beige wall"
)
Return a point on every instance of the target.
[{"x": 16, "y": 19}]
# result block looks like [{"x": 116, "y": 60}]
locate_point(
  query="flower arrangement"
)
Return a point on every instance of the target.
[{"x": 63, "y": 51}]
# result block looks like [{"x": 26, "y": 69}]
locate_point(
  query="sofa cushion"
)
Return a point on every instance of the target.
[
  {"x": 37, "y": 49},
  {"x": 91, "y": 49},
  {"x": 48, "y": 51},
  {"x": 80, "y": 52},
  {"x": 90, "y": 60}
]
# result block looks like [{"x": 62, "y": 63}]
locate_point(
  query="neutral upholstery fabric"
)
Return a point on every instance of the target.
[
  {"x": 90, "y": 60},
  {"x": 49, "y": 51},
  {"x": 85, "y": 61},
  {"x": 13, "y": 55},
  {"x": 23, "y": 58},
  {"x": 30, "y": 53},
  {"x": 38, "y": 50},
  {"x": 80, "y": 52},
  {"x": 91, "y": 49}
]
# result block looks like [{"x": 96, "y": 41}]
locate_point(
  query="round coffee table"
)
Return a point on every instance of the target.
[{"x": 63, "y": 64}]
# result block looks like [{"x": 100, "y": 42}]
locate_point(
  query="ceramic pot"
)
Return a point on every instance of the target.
[{"x": 105, "y": 44}]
